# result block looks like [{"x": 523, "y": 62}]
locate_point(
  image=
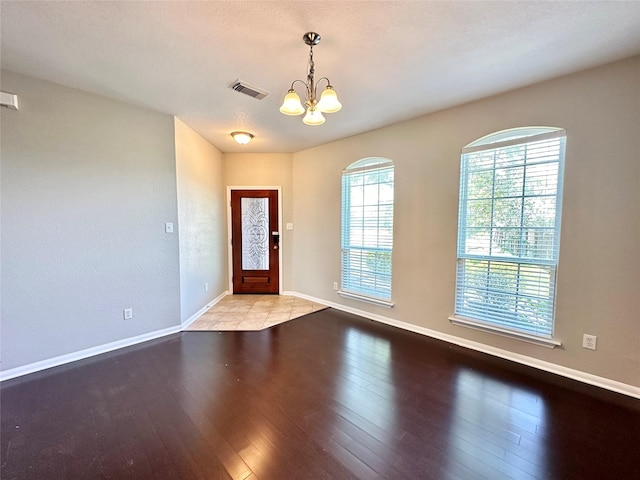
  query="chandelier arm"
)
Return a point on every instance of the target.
[
  {"x": 318, "y": 83},
  {"x": 301, "y": 81},
  {"x": 324, "y": 78}
]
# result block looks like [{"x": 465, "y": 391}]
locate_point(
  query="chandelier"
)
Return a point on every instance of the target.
[{"x": 328, "y": 102}]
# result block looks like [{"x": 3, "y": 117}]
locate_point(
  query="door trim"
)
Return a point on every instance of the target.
[{"x": 229, "y": 231}]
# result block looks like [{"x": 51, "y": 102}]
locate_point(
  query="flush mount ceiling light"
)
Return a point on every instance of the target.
[
  {"x": 328, "y": 102},
  {"x": 242, "y": 137}
]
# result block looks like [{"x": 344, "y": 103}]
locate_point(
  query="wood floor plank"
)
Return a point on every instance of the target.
[{"x": 326, "y": 396}]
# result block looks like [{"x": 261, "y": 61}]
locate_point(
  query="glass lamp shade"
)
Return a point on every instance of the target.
[
  {"x": 329, "y": 101},
  {"x": 291, "y": 104},
  {"x": 242, "y": 137},
  {"x": 313, "y": 117}
]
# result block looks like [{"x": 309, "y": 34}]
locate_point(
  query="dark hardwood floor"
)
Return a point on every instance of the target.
[{"x": 326, "y": 396}]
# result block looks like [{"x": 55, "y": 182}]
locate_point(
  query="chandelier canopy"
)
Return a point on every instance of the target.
[{"x": 328, "y": 102}]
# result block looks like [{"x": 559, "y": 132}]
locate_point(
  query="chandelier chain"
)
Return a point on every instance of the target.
[{"x": 311, "y": 94}]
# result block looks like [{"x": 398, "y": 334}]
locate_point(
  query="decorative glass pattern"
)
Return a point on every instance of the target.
[{"x": 255, "y": 233}]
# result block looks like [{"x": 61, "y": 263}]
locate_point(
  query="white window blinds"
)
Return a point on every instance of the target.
[
  {"x": 508, "y": 229},
  {"x": 367, "y": 228}
]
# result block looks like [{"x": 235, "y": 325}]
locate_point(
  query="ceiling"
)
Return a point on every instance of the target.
[{"x": 388, "y": 60}]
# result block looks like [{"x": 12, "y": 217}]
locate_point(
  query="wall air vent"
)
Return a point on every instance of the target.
[
  {"x": 9, "y": 100},
  {"x": 248, "y": 89}
]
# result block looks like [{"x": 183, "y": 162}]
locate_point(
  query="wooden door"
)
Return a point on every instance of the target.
[{"x": 255, "y": 241}]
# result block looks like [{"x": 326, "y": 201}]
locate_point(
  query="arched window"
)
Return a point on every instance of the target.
[
  {"x": 509, "y": 231},
  {"x": 367, "y": 230}
]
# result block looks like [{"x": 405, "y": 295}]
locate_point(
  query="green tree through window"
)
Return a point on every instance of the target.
[
  {"x": 367, "y": 228},
  {"x": 509, "y": 225}
]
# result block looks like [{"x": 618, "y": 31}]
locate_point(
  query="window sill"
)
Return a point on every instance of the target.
[
  {"x": 362, "y": 298},
  {"x": 525, "y": 337}
]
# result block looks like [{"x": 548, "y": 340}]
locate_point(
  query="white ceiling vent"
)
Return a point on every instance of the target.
[{"x": 248, "y": 89}]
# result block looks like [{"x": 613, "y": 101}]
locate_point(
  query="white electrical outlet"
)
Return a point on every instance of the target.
[
  {"x": 128, "y": 313},
  {"x": 206, "y": 287},
  {"x": 335, "y": 285},
  {"x": 589, "y": 341}
]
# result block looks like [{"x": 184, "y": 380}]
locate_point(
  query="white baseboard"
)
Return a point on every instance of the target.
[
  {"x": 200, "y": 312},
  {"x": 86, "y": 353},
  {"x": 108, "y": 347},
  {"x": 584, "y": 377}
]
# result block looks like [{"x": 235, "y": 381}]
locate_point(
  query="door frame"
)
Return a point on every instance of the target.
[{"x": 229, "y": 231}]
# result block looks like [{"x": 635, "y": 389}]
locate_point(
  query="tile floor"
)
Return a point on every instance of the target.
[{"x": 253, "y": 312}]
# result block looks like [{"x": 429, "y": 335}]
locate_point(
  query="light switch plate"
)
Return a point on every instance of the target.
[{"x": 168, "y": 227}]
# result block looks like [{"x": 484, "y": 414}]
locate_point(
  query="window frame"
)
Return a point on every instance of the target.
[
  {"x": 464, "y": 315},
  {"x": 352, "y": 284}
]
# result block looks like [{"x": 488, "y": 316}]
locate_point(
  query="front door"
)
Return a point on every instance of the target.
[{"x": 255, "y": 241}]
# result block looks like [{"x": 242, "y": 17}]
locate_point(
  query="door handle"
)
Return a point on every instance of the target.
[{"x": 276, "y": 240}]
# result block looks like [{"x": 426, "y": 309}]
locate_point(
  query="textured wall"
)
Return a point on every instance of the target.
[
  {"x": 271, "y": 170},
  {"x": 87, "y": 186},
  {"x": 202, "y": 214},
  {"x": 599, "y": 269}
]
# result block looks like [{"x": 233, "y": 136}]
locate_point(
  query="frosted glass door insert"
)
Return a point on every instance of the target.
[
  {"x": 255, "y": 241},
  {"x": 255, "y": 233}
]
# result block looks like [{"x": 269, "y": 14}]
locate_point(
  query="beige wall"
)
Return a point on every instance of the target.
[
  {"x": 87, "y": 186},
  {"x": 201, "y": 217},
  {"x": 599, "y": 270},
  {"x": 271, "y": 170}
]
